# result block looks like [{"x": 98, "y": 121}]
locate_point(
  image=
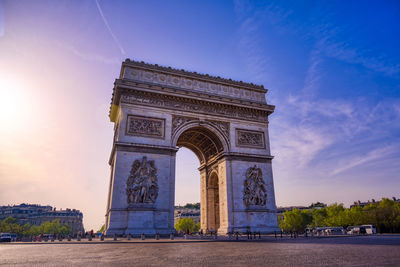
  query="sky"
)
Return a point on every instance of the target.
[{"x": 332, "y": 69}]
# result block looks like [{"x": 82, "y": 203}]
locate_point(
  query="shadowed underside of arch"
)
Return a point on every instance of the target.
[{"x": 203, "y": 142}]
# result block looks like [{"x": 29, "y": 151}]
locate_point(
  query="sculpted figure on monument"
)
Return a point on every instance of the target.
[
  {"x": 255, "y": 192},
  {"x": 142, "y": 186}
]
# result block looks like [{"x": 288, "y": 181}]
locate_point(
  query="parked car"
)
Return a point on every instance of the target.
[
  {"x": 335, "y": 231},
  {"x": 5, "y": 237},
  {"x": 13, "y": 237}
]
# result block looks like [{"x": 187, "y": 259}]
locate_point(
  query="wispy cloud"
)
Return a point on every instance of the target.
[
  {"x": 345, "y": 52},
  {"x": 375, "y": 154},
  {"x": 251, "y": 20},
  {"x": 109, "y": 28},
  {"x": 88, "y": 56}
]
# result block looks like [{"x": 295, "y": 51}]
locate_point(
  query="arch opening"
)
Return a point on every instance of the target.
[
  {"x": 207, "y": 145},
  {"x": 203, "y": 142},
  {"x": 213, "y": 203}
]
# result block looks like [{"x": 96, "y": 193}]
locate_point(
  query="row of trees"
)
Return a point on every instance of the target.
[
  {"x": 385, "y": 215},
  {"x": 11, "y": 225},
  {"x": 187, "y": 225},
  {"x": 190, "y": 206}
]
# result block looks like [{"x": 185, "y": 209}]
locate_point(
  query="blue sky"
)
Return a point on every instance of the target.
[{"x": 332, "y": 69}]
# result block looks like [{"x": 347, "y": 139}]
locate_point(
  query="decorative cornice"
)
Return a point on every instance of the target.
[{"x": 182, "y": 72}]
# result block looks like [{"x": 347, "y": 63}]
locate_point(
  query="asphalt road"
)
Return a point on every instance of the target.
[{"x": 331, "y": 251}]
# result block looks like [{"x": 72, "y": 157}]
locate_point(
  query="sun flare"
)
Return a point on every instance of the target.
[{"x": 13, "y": 105}]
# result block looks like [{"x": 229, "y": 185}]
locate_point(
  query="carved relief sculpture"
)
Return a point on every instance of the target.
[
  {"x": 142, "y": 184},
  {"x": 177, "y": 121},
  {"x": 255, "y": 193},
  {"x": 223, "y": 127},
  {"x": 252, "y": 139},
  {"x": 145, "y": 126}
]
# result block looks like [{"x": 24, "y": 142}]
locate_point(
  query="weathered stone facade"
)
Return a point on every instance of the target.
[{"x": 155, "y": 111}]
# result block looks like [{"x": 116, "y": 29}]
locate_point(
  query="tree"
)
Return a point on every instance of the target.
[
  {"x": 192, "y": 206},
  {"x": 295, "y": 220},
  {"x": 101, "y": 230},
  {"x": 185, "y": 225},
  {"x": 335, "y": 215},
  {"x": 196, "y": 227},
  {"x": 318, "y": 217}
]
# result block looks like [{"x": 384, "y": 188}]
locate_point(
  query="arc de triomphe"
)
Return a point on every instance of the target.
[{"x": 155, "y": 111}]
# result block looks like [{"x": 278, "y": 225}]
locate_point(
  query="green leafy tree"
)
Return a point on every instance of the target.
[
  {"x": 196, "y": 227},
  {"x": 101, "y": 230},
  {"x": 335, "y": 216},
  {"x": 295, "y": 220},
  {"x": 192, "y": 206},
  {"x": 185, "y": 225},
  {"x": 318, "y": 217}
]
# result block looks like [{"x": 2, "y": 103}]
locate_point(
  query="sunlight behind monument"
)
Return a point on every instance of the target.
[
  {"x": 157, "y": 110},
  {"x": 187, "y": 177}
]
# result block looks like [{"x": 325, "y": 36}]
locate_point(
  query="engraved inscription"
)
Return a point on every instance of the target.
[
  {"x": 145, "y": 126},
  {"x": 246, "y": 138}
]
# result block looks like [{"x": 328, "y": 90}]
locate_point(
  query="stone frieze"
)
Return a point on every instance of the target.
[
  {"x": 189, "y": 83},
  {"x": 252, "y": 139},
  {"x": 145, "y": 126},
  {"x": 195, "y": 106}
]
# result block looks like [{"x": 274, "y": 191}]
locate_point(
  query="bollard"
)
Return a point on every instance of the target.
[
  {"x": 129, "y": 236},
  {"x": 254, "y": 235},
  {"x": 69, "y": 238},
  {"x": 281, "y": 234},
  {"x": 157, "y": 236},
  {"x": 186, "y": 237},
  {"x": 201, "y": 235},
  {"x": 143, "y": 237},
  {"x": 90, "y": 238},
  {"x": 171, "y": 236},
  {"x": 237, "y": 235},
  {"x": 230, "y": 235},
  {"x": 78, "y": 238},
  {"x": 216, "y": 236},
  {"x": 102, "y": 237}
]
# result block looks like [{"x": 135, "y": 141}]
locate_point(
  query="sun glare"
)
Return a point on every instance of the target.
[{"x": 12, "y": 102}]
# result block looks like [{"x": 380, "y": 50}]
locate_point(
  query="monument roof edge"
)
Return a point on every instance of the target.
[{"x": 128, "y": 62}]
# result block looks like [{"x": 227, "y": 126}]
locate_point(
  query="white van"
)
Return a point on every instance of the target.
[{"x": 369, "y": 229}]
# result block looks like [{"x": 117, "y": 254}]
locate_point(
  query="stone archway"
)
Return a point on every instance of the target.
[
  {"x": 213, "y": 222},
  {"x": 155, "y": 111},
  {"x": 207, "y": 142}
]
